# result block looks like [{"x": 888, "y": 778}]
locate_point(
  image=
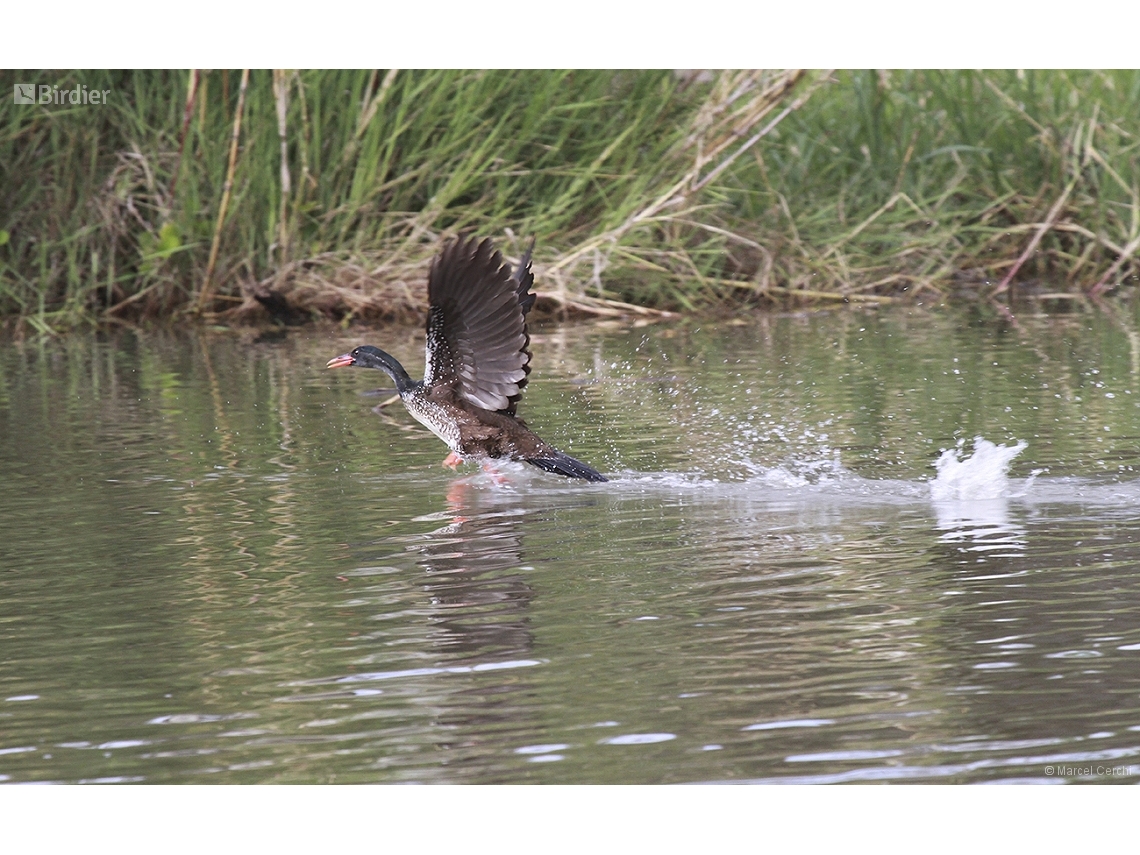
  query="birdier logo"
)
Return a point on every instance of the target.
[{"x": 30, "y": 93}]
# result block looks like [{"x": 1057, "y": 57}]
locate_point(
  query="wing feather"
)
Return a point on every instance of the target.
[{"x": 477, "y": 340}]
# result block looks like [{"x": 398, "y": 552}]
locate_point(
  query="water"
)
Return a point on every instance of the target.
[{"x": 892, "y": 546}]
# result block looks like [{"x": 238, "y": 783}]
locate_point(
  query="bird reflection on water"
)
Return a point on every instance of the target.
[{"x": 475, "y": 580}]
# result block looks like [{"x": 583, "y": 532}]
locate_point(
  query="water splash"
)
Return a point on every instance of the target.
[
  {"x": 971, "y": 499},
  {"x": 983, "y": 475}
]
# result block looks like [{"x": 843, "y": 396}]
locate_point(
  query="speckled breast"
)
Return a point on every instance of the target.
[{"x": 440, "y": 419}]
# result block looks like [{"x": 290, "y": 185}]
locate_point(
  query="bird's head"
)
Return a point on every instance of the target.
[{"x": 365, "y": 356}]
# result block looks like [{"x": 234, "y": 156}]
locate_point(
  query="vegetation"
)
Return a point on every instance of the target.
[{"x": 326, "y": 192}]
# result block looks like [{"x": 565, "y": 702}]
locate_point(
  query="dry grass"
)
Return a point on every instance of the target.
[{"x": 326, "y": 193}]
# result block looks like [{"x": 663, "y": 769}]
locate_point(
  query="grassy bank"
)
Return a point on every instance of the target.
[{"x": 327, "y": 192}]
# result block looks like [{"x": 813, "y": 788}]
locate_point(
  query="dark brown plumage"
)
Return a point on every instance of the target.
[{"x": 477, "y": 358}]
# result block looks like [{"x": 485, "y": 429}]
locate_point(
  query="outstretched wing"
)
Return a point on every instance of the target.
[{"x": 477, "y": 340}]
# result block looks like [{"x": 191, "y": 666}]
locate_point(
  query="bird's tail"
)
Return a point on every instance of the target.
[{"x": 564, "y": 464}]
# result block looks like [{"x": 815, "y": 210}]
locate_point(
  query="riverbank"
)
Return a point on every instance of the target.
[{"x": 231, "y": 195}]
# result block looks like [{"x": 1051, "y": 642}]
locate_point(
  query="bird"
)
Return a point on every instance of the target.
[{"x": 476, "y": 361}]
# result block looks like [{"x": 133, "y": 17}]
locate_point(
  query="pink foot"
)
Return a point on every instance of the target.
[
  {"x": 499, "y": 479},
  {"x": 452, "y": 460}
]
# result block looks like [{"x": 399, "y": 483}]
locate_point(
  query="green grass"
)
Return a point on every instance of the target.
[
  {"x": 889, "y": 185},
  {"x": 920, "y": 179}
]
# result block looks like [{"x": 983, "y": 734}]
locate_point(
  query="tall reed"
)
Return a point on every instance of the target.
[{"x": 655, "y": 188}]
